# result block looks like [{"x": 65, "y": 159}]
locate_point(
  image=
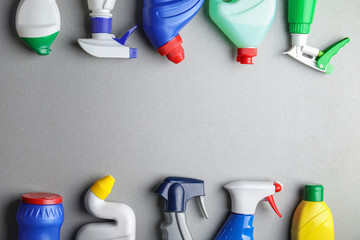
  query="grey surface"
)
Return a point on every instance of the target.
[{"x": 68, "y": 119}]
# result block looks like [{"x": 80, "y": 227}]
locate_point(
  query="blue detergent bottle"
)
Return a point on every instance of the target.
[
  {"x": 163, "y": 20},
  {"x": 40, "y": 216},
  {"x": 245, "y": 196}
]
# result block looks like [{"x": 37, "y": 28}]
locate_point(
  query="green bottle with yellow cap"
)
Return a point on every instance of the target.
[{"x": 312, "y": 219}]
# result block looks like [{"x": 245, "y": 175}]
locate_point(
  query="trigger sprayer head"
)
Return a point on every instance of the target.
[
  {"x": 177, "y": 191},
  {"x": 245, "y": 195}
]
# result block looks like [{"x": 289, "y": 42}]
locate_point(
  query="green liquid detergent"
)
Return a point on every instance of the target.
[{"x": 244, "y": 22}]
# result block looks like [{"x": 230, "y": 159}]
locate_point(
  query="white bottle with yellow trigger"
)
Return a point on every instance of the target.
[{"x": 123, "y": 228}]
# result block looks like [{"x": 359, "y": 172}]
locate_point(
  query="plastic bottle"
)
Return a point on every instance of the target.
[
  {"x": 38, "y": 24},
  {"x": 245, "y": 196},
  {"x": 124, "y": 225},
  {"x": 244, "y": 22},
  {"x": 163, "y": 20},
  {"x": 40, "y": 216},
  {"x": 312, "y": 219}
]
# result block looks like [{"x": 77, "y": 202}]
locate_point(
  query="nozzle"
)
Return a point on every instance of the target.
[
  {"x": 41, "y": 45},
  {"x": 173, "y": 50},
  {"x": 177, "y": 191},
  {"x": 102, "y": 188},
  {"x": 245, "y": 55}
]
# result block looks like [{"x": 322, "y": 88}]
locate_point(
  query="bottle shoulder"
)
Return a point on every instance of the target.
[{"x": 314, "y": 213}]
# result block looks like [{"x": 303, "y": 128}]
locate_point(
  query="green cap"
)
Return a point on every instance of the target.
[
  {"x": 41, "y": 45},
  {"x": 314, "y": 193}
]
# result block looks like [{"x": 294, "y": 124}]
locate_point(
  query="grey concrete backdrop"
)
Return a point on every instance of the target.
[{"x": 69, "y": 118}]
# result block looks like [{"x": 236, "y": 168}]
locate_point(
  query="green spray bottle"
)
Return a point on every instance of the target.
[
  {"x": 301, "y": 14},
  {"x": 244, "y": 22}
]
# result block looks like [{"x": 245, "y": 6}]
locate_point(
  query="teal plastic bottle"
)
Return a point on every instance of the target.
[{"x": 244, "y": 22}]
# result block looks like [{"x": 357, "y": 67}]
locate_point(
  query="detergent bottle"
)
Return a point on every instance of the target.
[
  {"x": 312, "y": 219},
  {"x": 244, "y": 22},
  {"x": 40, "y": 216},
  {"x": 38, "y": 24},
  {"x": 176, "y": 192},
  {"x": 245, "y": 196},
  {"x": 123, "y": 226},
  {"x": 163, "y": 20}
]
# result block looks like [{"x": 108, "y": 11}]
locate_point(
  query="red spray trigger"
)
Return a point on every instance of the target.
[
  {"x": 278, "y": 188},
  {"x": 273, "y": 205}
]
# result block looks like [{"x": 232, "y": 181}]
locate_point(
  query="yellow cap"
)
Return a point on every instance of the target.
[{"x": 102, "y": 187}]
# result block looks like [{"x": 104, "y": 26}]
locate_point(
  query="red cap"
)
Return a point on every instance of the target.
[
  {"x": 173, "y": 50},
  {"x": 245, "y": 55},
  {"x": 41, "y": 198}
]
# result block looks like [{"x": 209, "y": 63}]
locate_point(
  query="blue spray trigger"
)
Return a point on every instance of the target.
[
  {"x": 177, "y": 191},
  {"x": 126, "y": 36}
]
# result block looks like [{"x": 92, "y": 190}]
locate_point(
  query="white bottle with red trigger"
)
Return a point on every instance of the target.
[{"x": 245, "y": 196}]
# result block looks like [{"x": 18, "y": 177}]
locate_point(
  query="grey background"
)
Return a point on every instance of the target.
[{"x": 69, "y": 118}]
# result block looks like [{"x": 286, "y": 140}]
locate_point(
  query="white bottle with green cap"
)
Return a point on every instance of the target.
[
  {"x": 38, "y": 24},
  {"x": 312, "y": 219}
]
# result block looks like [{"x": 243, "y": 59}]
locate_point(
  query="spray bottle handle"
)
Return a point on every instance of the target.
[
  {"x": 201, "y": 202},
  {"x": 126, "y": 36},
  {"x": 325, "y": 57},
  {"x": 270, "y": 199},
  {"x": 273, "y": 205}
]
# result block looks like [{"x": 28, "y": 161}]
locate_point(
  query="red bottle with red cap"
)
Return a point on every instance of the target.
[{"x": 40, "y": 216}]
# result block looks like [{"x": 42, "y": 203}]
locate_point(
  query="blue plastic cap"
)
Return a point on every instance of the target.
[
  {"x": 133, "y": 53},
  {"x": 101, "y": 25},
  {"x": 177, "y": 191}
]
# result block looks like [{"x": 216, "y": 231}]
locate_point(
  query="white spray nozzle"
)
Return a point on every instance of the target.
[{"x": 246, "y": 195}]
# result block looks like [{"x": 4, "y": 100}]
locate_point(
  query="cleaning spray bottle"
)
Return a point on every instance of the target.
[
  {"x": 177, "y": 191},
  {"x": 38, "y": 24},
  {"x": 163, "y": 20},
  {"x": 312, "y": 219},
  {"x": 244, "y": 22},
  {"x": 103, "y": 43},
  {"x": 245, "y": 196},
  {"x": 125, "y": 223},
  {"x": 301, "y": 14}
]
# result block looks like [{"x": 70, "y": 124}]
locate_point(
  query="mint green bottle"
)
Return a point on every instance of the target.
[{"x": 244, "y": 22}]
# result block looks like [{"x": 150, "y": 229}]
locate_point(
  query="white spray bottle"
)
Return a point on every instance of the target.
[
  {"x": 245, "y": 196},
  {"x": 123, "y": 228}
]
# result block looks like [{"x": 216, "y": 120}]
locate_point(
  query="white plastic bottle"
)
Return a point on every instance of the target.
[
  {"x": 123, "y": 228},
  {"x": 38, "y": 24}
]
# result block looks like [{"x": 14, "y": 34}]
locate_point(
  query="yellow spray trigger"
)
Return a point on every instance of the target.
[{"x": 102, "y": 187}]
